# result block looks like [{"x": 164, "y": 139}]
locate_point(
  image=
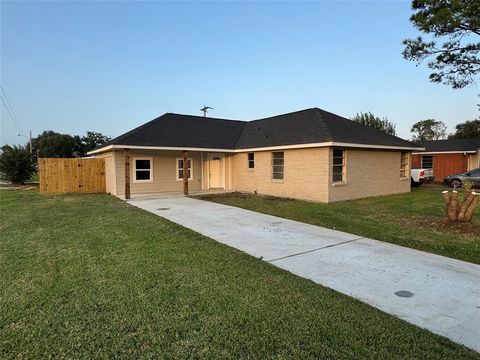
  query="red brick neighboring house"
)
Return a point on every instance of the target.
[{"x": 446, "y": 157}]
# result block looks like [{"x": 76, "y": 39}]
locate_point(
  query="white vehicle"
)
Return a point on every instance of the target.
[{"x": 420, "y": 176}]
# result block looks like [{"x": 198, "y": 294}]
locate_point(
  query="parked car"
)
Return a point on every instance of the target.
[
  {"x": 420, "y": 176},
  {"x": 456, "y": 180}
]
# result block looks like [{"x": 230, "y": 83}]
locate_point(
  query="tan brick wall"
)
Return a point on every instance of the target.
[
  {"x": 369, "y": 173},
  {"x": 305, "y": 174}
]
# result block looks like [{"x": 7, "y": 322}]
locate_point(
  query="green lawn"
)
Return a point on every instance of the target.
[
  {"x": 88, "y": 276},
  {"x": 413, "y": 219}
]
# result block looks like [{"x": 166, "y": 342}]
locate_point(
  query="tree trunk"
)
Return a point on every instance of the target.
[
  {"x": 452, "y": 207},
  {"x": 467, "y": 200},
  {"x": 471, "y": 207}
]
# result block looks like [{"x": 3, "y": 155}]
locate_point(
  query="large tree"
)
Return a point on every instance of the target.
[
  {"x": 370, "y": 120},
  {"x": 427, "y": 130},
  {"x": 456, "y": 23},
  {"x": 52, "y": 144},
  {"x": 466, "y": 130}
]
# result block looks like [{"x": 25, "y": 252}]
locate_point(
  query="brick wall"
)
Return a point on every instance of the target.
[
  {"x": 416, "y": 161},
  {"x": 443, "y": 165},
  {"x": 306, "y": 174}
]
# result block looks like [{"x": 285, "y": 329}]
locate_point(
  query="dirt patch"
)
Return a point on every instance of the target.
[
  {"x": 232, "y": 195},
  {"x": 468, "y": 229}
]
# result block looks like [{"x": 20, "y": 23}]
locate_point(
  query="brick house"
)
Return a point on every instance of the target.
[
  {"x": 446, "y": 157},
  {"x": 310, "y": 154}
]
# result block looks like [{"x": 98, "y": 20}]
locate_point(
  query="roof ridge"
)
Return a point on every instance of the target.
[
  {"x": 132, "y": 132},
  {"x": 205, "y": 117},
  {"x": 274, "y": 116},
  {"x": 319, "y": 117}
]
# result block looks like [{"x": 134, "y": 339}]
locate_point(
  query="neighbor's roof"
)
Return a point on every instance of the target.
[
  {"x": 310, "y": 126},
  {"x": 452, "y": 145}
]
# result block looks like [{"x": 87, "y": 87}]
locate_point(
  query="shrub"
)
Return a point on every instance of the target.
[{"x": 16, "y": 164}]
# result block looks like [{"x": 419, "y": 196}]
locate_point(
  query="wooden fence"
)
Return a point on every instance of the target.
[{"x": 71, "y": 175}]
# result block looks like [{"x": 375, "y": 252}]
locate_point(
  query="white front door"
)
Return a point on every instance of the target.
[{"x": 215, "y": 173}]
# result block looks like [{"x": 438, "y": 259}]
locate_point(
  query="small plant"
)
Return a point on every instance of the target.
[
  {"x": 461, "y": 211},
  {"x": 16, "y": 164}
]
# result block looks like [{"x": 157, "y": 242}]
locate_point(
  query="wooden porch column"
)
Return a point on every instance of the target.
[
  {"x": 127, "y": 173},
  {"x": 185, "y": 172}
]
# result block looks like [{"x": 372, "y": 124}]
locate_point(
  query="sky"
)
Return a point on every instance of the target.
[{"x": 110, "y": 66}]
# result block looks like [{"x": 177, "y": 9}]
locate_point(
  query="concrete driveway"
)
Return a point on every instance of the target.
[{"x": 431, "y": 291}]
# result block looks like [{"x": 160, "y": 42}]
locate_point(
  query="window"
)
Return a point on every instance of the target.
[
  {"x": 180, "y": 169},
  {"x": 142, "y": 170},
  {"x": 427, "y": 162},
  {"x": 404, "y": 164},
  {"x": 277, "y": 165},
  {"x": 338, "y": 173},
  {"x": 251, "y": 160}
]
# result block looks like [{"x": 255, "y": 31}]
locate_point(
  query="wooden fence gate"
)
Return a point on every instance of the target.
[{"x": 71, "y": 175}]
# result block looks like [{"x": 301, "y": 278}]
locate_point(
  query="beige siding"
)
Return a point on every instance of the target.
[
  {"x": 305, "y": 174},
  {"x": 109, "y": 172},
  {"x": 474, "y": 160},
  {"x": 164, "y": 172},
  {"x": 369, "y": 173}
]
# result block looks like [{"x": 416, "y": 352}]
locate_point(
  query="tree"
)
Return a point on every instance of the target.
[
  {"x": 466, "y": 130},
  {"x": 93, "y": 139},
  {"x": 16, "y": 164},
  {"x": 370, "y": 120},
  {"x": 427, "y": 130},
  {"x": 52, "y": 144},
  {"x": 456, "y": 62}
]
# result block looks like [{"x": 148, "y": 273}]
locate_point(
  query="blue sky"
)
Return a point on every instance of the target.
[{"x": 111, "y": 66}]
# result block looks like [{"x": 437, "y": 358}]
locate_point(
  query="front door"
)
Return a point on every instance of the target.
[{"x": 215, "y": 177}]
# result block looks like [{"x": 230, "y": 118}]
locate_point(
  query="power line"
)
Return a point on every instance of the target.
[
  {"x": 11, "y": 116},
  {"x": 11, "y": 112}
]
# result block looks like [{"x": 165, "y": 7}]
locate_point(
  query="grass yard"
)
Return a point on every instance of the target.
[
  {"x": 414, "y": 219},
  {"x": 88, "y": 276}
]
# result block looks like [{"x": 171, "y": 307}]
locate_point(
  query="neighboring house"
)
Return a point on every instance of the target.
[
  {"x": 310, "y": 154},
  {"x": 446, "y": 157}
]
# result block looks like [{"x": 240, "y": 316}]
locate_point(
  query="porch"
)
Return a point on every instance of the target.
[{"x": 144, "y": 173}]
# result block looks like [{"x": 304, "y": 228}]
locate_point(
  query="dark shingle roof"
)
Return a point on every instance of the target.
[
  {"x": 175, "y": 130},
  {"x": 472, "y": 144},
  {"x": 312, "y": 126},
  {"x": 301, "y": 127}
]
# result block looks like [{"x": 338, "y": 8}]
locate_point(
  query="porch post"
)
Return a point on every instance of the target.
[
  {"x": 127, "y": 173},
  {"x": 185, "y": 172}
]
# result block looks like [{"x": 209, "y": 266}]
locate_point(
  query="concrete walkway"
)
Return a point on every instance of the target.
[{"x": 431, "y": 291}]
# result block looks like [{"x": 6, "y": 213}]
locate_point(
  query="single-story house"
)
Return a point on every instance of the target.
[
  {"x": 446, "y": 157},
  {"x": 310, "y": 154}
]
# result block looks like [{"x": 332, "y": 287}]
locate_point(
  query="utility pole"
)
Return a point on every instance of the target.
[
  {"x": 205, "y": 110},
  {"x": 30, "y": 142}
]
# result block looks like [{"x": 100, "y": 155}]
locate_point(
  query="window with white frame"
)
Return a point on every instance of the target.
[
  {"x": 180, "y": 169},
  {"x": 338, "y": 171},
  {"x": 142, "y": 169},
  {"x": 277, "y": 165},
  {"x": 404, "y": 164},
  {"x": 251, "y": 160},
  {"x": 427, "y": 161}
]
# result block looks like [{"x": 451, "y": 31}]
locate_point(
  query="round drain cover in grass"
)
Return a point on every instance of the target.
[{"x": 404, "y": 293}]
